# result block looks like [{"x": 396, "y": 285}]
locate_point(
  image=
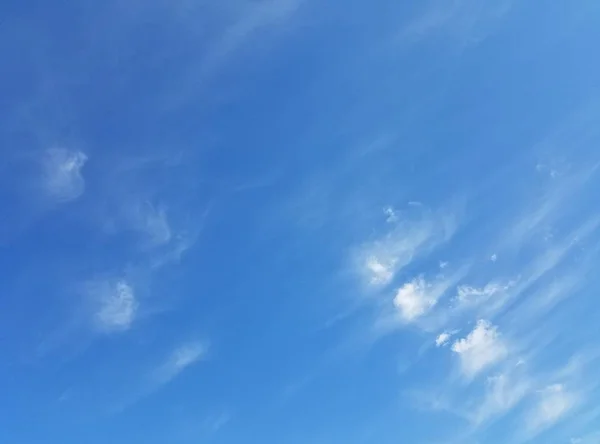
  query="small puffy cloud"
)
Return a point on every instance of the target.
[
  {"x": 180, "y": 359},
  {"x": 390, "y": 215},
  {"x": 480, "y": 349},
  {"x": 443, "y": 338},
  {"x": 115, "y": 306},
  {"x": 62, "y": 179},
  {"x": 553, "y": 403},
  {"x": 414, "y": 299}
]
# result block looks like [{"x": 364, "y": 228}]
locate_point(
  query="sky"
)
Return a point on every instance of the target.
[{"x": 299, "y": 221}]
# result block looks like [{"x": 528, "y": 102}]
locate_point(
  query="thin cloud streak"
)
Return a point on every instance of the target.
[
  {"x": 554, "y": 402},
  {"x": 180, "y": 359}
]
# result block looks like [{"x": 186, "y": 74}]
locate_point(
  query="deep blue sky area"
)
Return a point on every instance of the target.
[{"x": 292, "y": 221}]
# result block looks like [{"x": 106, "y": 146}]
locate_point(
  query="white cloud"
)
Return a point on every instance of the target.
[
  {"x": 443, "y": 338},
  {"x": 264, "y": 14},
  {"x": 415, "y": 298},
  {"x": 380, "y": 261},
  {"x": 480, "y": 349},
  {"x": 61, "y": 176},
  {"x": 246, "y": 22},
  {"x": 553, "y": 403},
  {"x": 390, "y": 215},
  {"x": 381, "y": 273},
  {"x": 115, "y": 306},
  {"x": 151, "y": 221},
  {"x": 468, "y": 295},
  {"x": 553, "y": 205},
  {"x": 467, "y": 21},
  {"x": 416, "y": 302},
  {"x": 485, "y": 300},
  {"x": 180, "y": 359},
  {"x": 216, "y": 422},
  {"x": 503, "y": 393}
]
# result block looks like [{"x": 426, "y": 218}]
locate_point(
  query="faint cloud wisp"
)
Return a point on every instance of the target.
[
  {"x": 181, "y": 358},
  {"x": 62, "y": 178},
  {"x": 116, "y": 306}
]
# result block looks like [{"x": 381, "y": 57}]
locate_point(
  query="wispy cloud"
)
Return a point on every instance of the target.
[
  {"x": 252, "y": 20},
  {"x": 590, "y": 438},
  {"x": 466, "y": 21},
  {"x": 62, "y": 177},
  {"x": 216, "y": 422},
  {"x": 486, "y": 300},
  {"x": 503, "y": 393},
  {"x": 379, "y": 261},
  {"x": 151, "y": 222},
  {"x": 245, "y": 22},
  {"x": 469, "y": 295},
  {"x": 158, "y": 222},
  {"x": 552, "y": 404},
  {"x": 542, "y": 213},
  {"x": 480, "y": 349},
  {"x": 380, "y": 270},
  {"x": 180, "y": 359},
  {"x": 114, "y": 305}
]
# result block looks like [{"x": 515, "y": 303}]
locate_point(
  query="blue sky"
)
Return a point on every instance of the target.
[{"x": 292, "y": 221}]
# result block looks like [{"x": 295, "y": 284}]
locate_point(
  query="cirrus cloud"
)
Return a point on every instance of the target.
[
  {"x": 115, "y": 305},
  {"x": 62, "y": 178}
]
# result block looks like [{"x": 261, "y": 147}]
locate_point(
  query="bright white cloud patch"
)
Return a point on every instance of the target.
[
  {"x": 116, "y": 306},
  {"x": 480, "y": 349},
  {"x": 414, "y": 299},
  {"x": 62, "y": 179},
  {"x": 180, "y": 359},
  {"x": 554, "y": 403}
]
